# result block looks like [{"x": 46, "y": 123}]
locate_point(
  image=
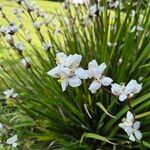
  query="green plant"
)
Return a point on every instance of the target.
[{"x": 77, "y": 119}]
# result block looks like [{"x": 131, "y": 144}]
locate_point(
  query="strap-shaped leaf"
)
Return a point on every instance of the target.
[
  {"x": 100, "y": 105},
  {"x": 95, "y": 136}
]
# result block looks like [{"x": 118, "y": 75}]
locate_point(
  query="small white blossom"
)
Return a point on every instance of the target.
[
  {"x": 37, "y": 25},
  {"x": 133, "y": 12},
  {"x": 12, "y": 141},
  {"x": 96, "y": 71},
  {"x": 110, "y": 44},
  {"x": 47, "y": 46},
  {"x": 131, "y": 127},
  {"x": 93, "y": 10},
  {"x": 68, "y": 70},
  {"x": 26, "y": 62},
  {"x": 30, "y": 7},
  {"x": 10, "y": 93},
  {"x": 136, "y": 28},
  {"x": 128, "y": 91},
  {"x": 19, "y": 46},
  {"x": 120, "y": 61}
]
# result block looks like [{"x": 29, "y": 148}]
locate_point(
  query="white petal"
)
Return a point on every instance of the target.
[
  {"x": 102, "y": 67},
  {"x": 122, "y": 125},
  {"x": 129, "y": 130},
  {"x": 14, "y": 95},
  {"x": 94, "y": 86},
  {"x": 59, "y": 71},
  {"x": 137, "y": 89},
  {"x": 122, "y": 97},
  {"x": 133, "y": 87},
  {"x": 132, "y": 138},
  {"x": 138, "y": 134},
  {"x": 64, "y": 84},
  {"x": 136, "y": 125},
  {"x": 92, "y": 64},
  {"x": 61, "y": 58},
  {"x": 94, "y": 72},
  {"x": 81, "y": 73},
  {"x": 74, "y": 81},
  {"x": 106, "y": 81},
  {"x": 55, "y": 72},
  {"x": 116, "y": 89},
  {"x": 73, "y": 61},
  {"x": 130, "y": 118},
  {"x": 14, "y": 145},
  {"x": 12, "y": 140}
]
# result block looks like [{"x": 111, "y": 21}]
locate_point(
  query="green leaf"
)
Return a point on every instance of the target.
[
  {"x": 96, "y": 137},
  {"x": 100, "y": 105},
  {"x": 143, "y": 115}
]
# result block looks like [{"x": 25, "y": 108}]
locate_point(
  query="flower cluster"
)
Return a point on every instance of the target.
[
  {"x": 69, "y": 72},
  {"x": 131, "y": 127}
]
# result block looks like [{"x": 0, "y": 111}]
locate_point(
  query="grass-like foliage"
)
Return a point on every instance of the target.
[{"x": 116, "y": 34}]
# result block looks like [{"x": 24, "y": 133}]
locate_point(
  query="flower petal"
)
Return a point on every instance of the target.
[
  {"x": 122, "y": 97},
  {"x": 74, "y": 81},
  {"x": 128, "y": 130},
  {"x": 106, "y": 81},
  {"x": 102, "y": 67},
  {"x": 12, "y": 140},
  {"x": 73, "y": 61},
  {"x": 14, "y": 145},
  {"x": 81, "y": 73},
  {"x": 92, "y": 64},
  {"x": 138, "y": 134},
  {"x": 117, "y": 89},
  {"x": 136, "y": 125},
  {"x": 133, "y": 87},
  {"x": 94, "y": 86},
  {"x": 132, "y": 138},
  {"x": 130, "y": 118},
  {"x": 55, "y": 72},
  {"x": 64, "y": 84},
  {"x": 61, "y": 58}
]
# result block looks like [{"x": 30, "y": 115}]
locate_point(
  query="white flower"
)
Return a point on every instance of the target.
[
  {"x": 37, "y": 25},
  {"x": 120, "y": 61},
  {"x": 68, "y": 70},
  {"x": 19, "y": 46},
  {"x": 93, "y": 9},
  {"x": 26, "y": 62},
  {"x": 12, "y": 141},
  {"x": 133, "y": 12},
  {"x": 95, "y": 71},
  {"x": 128, "y": 91},
  {"x": 47, "y": 46},
  {"x": 110, "y": 44},
  {"x": 136, "y": 28},
  {"x": 128, "y": 121},
  {"x": 9, "y": 93},
  {"x": 131, "y": 127}
]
